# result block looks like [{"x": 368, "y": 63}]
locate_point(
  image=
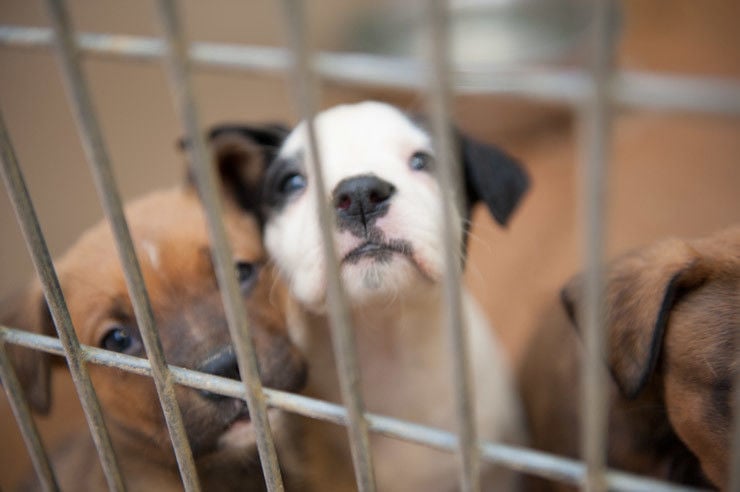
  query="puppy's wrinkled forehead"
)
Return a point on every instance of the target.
[{"x": 368, "y": 137}]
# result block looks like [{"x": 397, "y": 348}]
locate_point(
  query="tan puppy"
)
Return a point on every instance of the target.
[
  {"x": 170, "y": 236},
  {"x": 673, "y": 312}
]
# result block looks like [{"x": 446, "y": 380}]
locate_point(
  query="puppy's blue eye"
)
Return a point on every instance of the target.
[
  {"x": 292, "y": 183},
  {"x": 118, "y": 339},
  {"x": 246, "y": 274},
  {"x": 420, "y": 161}
]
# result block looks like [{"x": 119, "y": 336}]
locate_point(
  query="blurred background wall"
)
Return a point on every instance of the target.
[{"x": 671, "y": 173}]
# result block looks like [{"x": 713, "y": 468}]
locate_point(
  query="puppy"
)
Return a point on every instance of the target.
[
  {"x": 171, "y": 241},
  {"x": 378, "y": 166},
  {"x": 672, "y": 316}
]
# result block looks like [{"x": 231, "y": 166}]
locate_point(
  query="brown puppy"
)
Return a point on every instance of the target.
[
  {"x": 171, "y": 240},
  {"x": 673, "y": 312}
]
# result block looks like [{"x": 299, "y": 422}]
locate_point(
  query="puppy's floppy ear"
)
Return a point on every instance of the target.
[
  {"x": 28, "y": 311},
  {"x": 242, "y": 153},
  {"x": 640, "y": 292},
  {"x": 492, "y": 177}
]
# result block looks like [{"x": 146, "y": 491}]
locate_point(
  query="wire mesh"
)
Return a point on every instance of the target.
[{"x": 593, "y": 92}]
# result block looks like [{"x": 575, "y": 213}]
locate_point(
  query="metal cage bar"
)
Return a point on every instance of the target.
[
  {"x": 594, "y": 136},
  {"x": 451, "y": 192},
  {"x": 27, "y": 426},
  {"x": 529, "y": 461},
  {"x": 99, "y": 161},
  {"x": 593, "y": 92},
  {"x": 28, "y": 221},
  {"x": 207, "y": 183},
  {"x": 627, "y": 88},
  {"x": 342, "y": 333}
]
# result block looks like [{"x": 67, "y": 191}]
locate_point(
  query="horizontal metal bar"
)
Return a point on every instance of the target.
[
  {"x": 206, "y": 179},
  {"x": 101, "y": 169},
  {"x": 529, "y": 461},
  {"x": 29, "y": 224},
  {"x": 627, "y": 88}
]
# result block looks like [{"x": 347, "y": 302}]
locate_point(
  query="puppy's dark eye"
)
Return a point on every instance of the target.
[
  {"x": 246, "y": 274},
  {"x": 120, "y": 339},
  {"x": 292, "y": 183},
  {"x": 420, "y": 160}
]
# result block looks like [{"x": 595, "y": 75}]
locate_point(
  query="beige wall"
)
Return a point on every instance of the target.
[
  {"x": 134, "y": 107},
  {"x": 672, "y": 174}
]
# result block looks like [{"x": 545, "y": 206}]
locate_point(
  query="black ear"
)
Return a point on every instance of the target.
[
  {"x": 492, "y": 177},
  {"x": 242, "y": 153},
  {"x": 28, "y": 311}
]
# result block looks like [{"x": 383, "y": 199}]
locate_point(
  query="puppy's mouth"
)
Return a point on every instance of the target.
[
  {"x": 380, "y": 251},
  {"x": 237, "y": 432}
]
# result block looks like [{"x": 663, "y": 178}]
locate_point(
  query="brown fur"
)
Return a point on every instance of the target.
[
  {"x": 673, "y": 312},
  {"x": 172, "y": 245}
]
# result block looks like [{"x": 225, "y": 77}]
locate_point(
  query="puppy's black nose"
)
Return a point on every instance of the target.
[
  {"x": 362, "y": 198},
  {"x": 222, "y": 363}
]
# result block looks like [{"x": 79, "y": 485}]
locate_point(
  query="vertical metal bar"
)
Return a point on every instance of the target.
[
  {"x": 105, "y": 184},
  {"x": 594, "y": 144},
  {"x": 343, "y": 335},
  {"x": 22, "y": 413},
  {"x": 207, "y": 181},
  {"x": 448, "y": 176},
  {"x": 29, "y": 223}
]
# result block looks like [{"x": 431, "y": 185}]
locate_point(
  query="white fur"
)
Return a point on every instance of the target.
[
  {"x": 152, "y": 252},
  {"x": 396, "y": 305},
  {"x": 368, "y": 138}
]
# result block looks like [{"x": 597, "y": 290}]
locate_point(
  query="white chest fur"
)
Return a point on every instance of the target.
[{"x": 406, "y": 373}]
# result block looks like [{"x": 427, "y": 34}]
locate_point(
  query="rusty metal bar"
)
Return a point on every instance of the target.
[
  {"x": 69, "y": 59},
  {"x": 207, "y": 182},
  {"x": 21, "y": 200},
  {"x": 27, "y": 426},
  {"x": 342, "y": 331},
  {"x": 627, "y": 88},
  {"x": 537, "y": 463},
  {"x": 594, "y": 121},
  {"x": 451, "y": 192}
]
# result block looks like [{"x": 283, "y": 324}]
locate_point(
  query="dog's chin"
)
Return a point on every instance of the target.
[
  {"x": 240, "y": 434},
  {"x": 373, "y": 273}
]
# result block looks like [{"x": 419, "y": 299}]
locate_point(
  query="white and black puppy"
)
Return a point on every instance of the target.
[{"x": 378, "y": 165}]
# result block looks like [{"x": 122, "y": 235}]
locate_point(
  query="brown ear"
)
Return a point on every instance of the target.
[
  {"x": 641, "y": 290},
  {"x": 242, "y": 153},
  {"x": 28, "y": 311}
]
